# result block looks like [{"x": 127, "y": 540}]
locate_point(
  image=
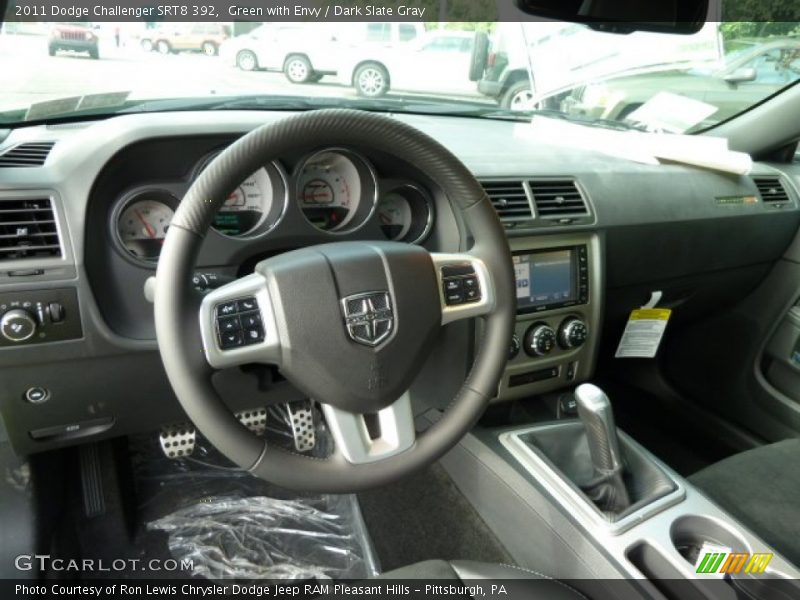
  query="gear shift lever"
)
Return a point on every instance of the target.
[{"x": 594, "y": 410}]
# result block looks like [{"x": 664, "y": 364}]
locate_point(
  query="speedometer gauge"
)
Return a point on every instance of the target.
[
  {"x": 331, "y": 185},
  {"x": 143, "y": 222}
]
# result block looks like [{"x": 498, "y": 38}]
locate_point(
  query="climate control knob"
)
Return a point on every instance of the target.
[
  {"x": 514, "y": 348},
  {"x": 17, "y": 325},
  {"x": 540, "y": 339},
  {"x": 572, "y": 333}
]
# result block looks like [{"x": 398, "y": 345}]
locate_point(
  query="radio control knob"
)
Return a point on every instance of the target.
[
  {"x": 17, "y": 325},
  {"x": 572, "y": 333},
  {"x": 540, "y": 339},
  {"x": 514, "y": 348}
]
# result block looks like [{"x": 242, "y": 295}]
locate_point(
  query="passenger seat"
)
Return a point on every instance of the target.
[{"x": 761, "y": 488}]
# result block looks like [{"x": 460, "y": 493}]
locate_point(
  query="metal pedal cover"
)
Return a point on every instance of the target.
[
  {"x": 301, "y": 418},
  {"x": 255, "y": 420},
  {"x": 177, "y": 440}
]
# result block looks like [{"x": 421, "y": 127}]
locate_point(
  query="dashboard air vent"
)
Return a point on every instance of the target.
[
  {"x": 28, "y": 229},
  {"x": 32, "y": 154},
  {"x": 557, "y": 199},
  {"x": 509, "y": 200},
  {"x": 771, "y": 189}
]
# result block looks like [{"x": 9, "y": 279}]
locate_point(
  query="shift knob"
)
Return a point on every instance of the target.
[{"x": 594, "y": 410}]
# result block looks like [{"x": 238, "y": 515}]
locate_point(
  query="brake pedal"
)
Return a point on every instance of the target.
[
  {"x": 301, "y": 419},
  {"x": 177, "y": 440},
  {"x": 255, "y": 420}
]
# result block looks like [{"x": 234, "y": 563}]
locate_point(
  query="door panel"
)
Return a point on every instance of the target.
[{"x": 783, "y": 355}]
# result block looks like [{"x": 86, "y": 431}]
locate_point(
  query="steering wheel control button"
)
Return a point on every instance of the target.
[
  {"x": 226, "y": 309},
  {"x": 453, "y": 298},
  {"x": 253, "y": 335},
  {"x": 540, "y": 340},
  {"x": 17, "y": 325},
  {"x": 230, "y": 340},
  {"x": 37, "y": 395},
  {"x": 247, "y": 304},
  {"x": 460, "y": 285},
  {"x": 453, "y": 285},
  {"x": 457, "y": 270},
  {"x": 228, "y": 324},
  {"x": 250, "y": 320},
  {"x": 239, "y": 323}
]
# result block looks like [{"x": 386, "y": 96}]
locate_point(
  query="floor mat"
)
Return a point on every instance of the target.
[
  {"x": 232, "y": 525},
  {"x": 424, "y": 517}
]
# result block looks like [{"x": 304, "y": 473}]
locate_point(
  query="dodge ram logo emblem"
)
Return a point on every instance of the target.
[{"x": 368, "y": 317}]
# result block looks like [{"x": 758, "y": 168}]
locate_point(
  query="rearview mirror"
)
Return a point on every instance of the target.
[
  {"x": 624, "y": 16},
  {"x": 742, "y": 75}
]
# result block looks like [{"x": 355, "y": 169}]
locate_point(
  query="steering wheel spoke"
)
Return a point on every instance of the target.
[
  {"x": 238, "y": 326},
  {"x": 353, "y": 439},
  {"x": 466, "y": 287}
]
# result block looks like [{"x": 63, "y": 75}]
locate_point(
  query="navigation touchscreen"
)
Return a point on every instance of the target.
[{"x": 545, "y": 278}]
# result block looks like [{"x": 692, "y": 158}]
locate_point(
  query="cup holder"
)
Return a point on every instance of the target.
[{"x": 688, "y": 534}]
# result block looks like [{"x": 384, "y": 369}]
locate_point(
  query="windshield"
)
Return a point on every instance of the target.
[{"x": 658, "y": 82}]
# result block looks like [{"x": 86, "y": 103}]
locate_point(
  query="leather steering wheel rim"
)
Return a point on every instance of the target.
[{"x": 176, "y": 303}]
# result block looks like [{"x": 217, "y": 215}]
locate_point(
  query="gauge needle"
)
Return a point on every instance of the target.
[{"x": 151, "y": 232}]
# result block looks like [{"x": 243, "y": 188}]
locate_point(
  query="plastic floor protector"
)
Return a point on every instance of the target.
[{"x": 232, "y": 525}]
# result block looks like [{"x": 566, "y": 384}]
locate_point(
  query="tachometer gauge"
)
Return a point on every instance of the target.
[
  {"x": 246, "y": 207},
  {"x": 331, "y": 185},
  {"x": 143, "y": 222}
]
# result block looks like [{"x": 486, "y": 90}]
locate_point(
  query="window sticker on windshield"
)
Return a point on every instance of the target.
[
  {"x": 643, "y": 333},
  {"x": 672, "y": 113}
]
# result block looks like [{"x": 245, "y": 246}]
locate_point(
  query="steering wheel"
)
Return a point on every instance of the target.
[{"x": 350, "y": 324}]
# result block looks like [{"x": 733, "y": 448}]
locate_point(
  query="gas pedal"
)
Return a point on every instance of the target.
[
  {"x": 255, "y": 420},
  {"x": 301, "y": 419},
  {"x": 177, "y": 440}
]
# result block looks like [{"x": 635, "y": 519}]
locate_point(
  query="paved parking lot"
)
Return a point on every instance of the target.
[{"x": 30, "y": 75}]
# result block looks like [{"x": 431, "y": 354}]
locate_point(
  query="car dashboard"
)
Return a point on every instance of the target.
[{"x": 84, "y": 208}]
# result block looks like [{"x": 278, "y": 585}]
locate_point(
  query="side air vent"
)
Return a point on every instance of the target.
[
  {"x": 509, "y": 200},
  {"x": 558, "y": 199},
  {"x": 28, "y": 229},
  {"x": 771, "y": 189},
  {"x": 32, "y": 154}
]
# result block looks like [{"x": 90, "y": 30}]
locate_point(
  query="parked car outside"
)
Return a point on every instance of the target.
[
  {"x": 306, "y": 52},
  {"x": 437, "y": 62},
  {"x": 74, "y": 37},
  {"x": 198, "y": 37},
  {"x": 516, "y": 55},
  {"x": 744, "y": 77}
]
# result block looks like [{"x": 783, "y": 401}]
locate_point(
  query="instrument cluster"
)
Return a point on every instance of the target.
[{"x": 337, "y": 191}]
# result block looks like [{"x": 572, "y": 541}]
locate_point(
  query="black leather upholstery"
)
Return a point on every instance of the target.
[{"x": 536, "y": 585}]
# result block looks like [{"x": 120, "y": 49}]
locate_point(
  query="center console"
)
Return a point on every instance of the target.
[
  {"x": 559, "y": 279},
  {"x": 590, "y": 503}
]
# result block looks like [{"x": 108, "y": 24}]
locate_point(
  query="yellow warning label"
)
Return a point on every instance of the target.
[{"x": 651, "y": 314}]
